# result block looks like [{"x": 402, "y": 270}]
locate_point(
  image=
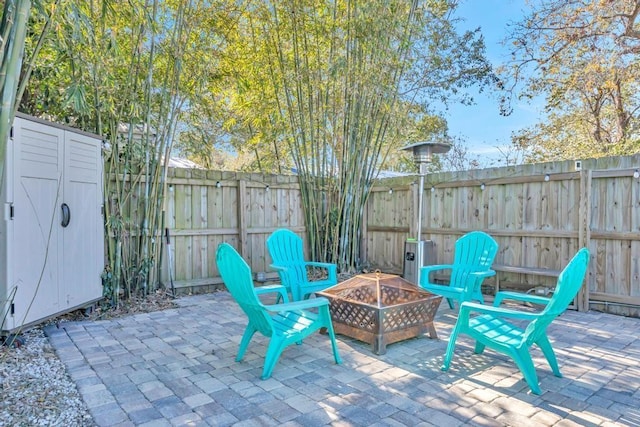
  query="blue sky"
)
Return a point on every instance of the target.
[{"x": 481, "y": 125}]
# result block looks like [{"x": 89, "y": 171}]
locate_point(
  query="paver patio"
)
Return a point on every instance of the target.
[{"x": 177, "y": 367}]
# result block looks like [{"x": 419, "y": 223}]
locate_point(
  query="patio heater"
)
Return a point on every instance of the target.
[{"x": 418, "y": 252}]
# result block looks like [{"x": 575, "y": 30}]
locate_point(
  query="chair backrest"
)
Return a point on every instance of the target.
[
  {"x": 475, "y": 251},
  {"x": 236, "y": 276},
  {"x": 285, "y": 248},
  {"x": 569, "y": 283},
  {"x": 476, "y": 248}
]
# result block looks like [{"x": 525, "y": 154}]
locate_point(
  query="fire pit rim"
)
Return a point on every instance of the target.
[{"x": 377, "y": 277}]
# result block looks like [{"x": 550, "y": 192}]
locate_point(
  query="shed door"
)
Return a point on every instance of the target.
[
  {"x": 35, "y": 252},
  {"x": 83, "y": 239}
]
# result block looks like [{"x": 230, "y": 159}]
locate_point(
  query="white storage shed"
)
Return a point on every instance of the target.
[{"x": 51, "y": 230}]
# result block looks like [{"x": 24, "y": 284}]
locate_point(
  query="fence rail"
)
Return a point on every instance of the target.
[
  {"x": 206, "y": 208},
  {"x": 540, "y": 215}
]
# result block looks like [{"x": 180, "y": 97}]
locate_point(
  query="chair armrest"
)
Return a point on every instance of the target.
[
  {"x": 505, "y": 295},
  {"x": 332, "y": 273},
  {"x": 282, "y": 290},
  {"x": 469, "y": 307},
  {"x": 426, "y": 270},
  {"x": 326, "y": 265},
  {"x": 299, "y": 305},
  {"x": 483, "y": 274},
  {"x": 283, "y": 273},
  {"x": 277, "y": 268},
  {"x": 429, "y": 268}
]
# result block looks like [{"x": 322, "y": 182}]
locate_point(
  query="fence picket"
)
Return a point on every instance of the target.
[{"x": 537, "y": 222}]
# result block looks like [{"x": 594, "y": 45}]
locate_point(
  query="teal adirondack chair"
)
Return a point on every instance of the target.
[
  {"x": 285, "y": 248},
  {"x": 489, "y": 329},
  {"x": 285, "y": 323},
  {"x": 473, "y": 255}
]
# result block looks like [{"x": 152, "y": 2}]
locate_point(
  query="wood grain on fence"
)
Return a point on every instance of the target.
[
  {"x": 540, "y": 215},
  {"x": 206, "y": 208}
]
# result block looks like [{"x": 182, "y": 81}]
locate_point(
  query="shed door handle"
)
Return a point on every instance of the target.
[{"x": 66, "y": 215}]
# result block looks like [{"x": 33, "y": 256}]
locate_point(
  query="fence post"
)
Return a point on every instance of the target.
[
  {"x": 364, "y": 231},
  {"x": 584, "y": 230},
  {"x": 242, "y": 218}
]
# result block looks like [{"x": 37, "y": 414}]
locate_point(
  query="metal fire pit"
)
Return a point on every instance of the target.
[{"x": 381, "y": 309}]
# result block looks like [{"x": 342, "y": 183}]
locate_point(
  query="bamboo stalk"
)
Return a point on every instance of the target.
[
  {"x": 338, "y": 119},
  {"x": 14, "y": 23}
]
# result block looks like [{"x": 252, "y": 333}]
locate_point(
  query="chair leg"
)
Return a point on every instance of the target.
[
  {"x": 334, "y": 345},
  {"x": 525, "y": 363},
  {"x": 479, "y": 349},
  {"x": 276, "y": 345},
  {"x": 451, "y": 347},
  {"x": 244, "y": 343},
  {"x": 325, "y": 318},
  {"x": 451, "y": 303},
  {"x": 547, "y": 350}
]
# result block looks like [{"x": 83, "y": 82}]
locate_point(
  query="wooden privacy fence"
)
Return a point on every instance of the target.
[
  {"x": 206, "y": 208},
  {"x": 540, "y": 215}
]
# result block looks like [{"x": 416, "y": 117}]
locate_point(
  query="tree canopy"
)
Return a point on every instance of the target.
[
  {"x": 13, "y": 32},
  {"x": 127, "y": 71},
  {"x": 326, "y": 87},
  {"x": 581, "y": 57},
  {"x": 85, "y": 74},
  {"x": 333, "y": 87}
]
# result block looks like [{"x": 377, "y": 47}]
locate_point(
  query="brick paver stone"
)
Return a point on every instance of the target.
[{"x": 177, "y": 367}]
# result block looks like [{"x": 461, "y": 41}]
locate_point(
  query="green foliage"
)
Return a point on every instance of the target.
[
  {"x": 127, "y": 71},
  {"x": 13, "y": 29},
  {"x": 109, "y": 287},
  {"x": 582, "y": 58},
  {"x": 340, "y": 85},
  {"x": 332, "y": 88}
]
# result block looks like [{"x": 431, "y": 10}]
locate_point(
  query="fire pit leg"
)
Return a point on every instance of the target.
[
  {"x": 379, "y": 345},
  {"x": 432, "y": 331}
]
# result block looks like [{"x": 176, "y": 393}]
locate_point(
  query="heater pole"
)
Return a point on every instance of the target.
[
  {"x": 415, "y": 250},
  {"x": 420, "y": 191}
]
